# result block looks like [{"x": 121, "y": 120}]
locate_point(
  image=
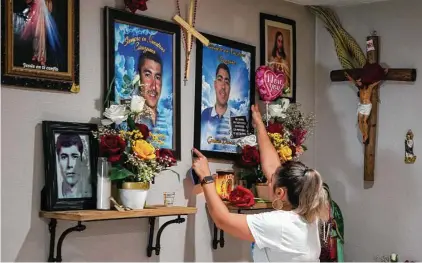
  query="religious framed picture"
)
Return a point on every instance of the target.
[
  {"x": 278, "y": 49},
  {"x": 40, "y": 44},
  {"x": 224, "y": 93},
  {"x": 70, "y": 161},
  {"x": 143, "y": 63}
]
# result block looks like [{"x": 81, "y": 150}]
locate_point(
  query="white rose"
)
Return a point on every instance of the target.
[
  {"x": 116, "y": 114},
  {"x": 279, "y": 110},
  {"x": 248, "y": 140},
  {"x": 137, "y": 103}
]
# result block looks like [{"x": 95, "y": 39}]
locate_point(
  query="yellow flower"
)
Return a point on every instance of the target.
[
  {"x": 285, "y": 153},
  {"x": 143, "y": 149},
  {"x": 276, "y": 139}
]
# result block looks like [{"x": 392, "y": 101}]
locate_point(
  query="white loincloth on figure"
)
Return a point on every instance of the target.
[{"x": 364, "y": 109}]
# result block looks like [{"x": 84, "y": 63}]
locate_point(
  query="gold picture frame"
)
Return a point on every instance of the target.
[{"x": 40, "y": 44}]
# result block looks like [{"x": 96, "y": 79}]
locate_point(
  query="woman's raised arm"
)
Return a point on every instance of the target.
[{"x": 270, "y": 161}]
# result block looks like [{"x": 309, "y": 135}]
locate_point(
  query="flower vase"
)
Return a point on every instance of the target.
[
  {"x": 134, "y": 194},
  {"x": 263, "y": 191}
]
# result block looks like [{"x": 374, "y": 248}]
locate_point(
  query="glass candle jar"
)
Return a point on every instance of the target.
[{"x": 103, "y": 184}]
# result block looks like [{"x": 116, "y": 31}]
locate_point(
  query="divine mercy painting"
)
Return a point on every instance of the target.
[{"x": 41, "y": 44}]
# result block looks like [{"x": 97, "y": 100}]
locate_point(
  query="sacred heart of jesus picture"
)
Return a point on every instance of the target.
[{"x": 278, "y": 49}]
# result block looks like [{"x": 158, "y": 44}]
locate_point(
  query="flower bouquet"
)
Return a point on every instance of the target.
[
  {"x": 133, "y": 151},
  {"x": 249, "y": 161},
  {"x": 288, "y": 129}
]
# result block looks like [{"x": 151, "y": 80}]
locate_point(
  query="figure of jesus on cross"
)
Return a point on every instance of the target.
[
  {"x": 367, "y": 79},
  {"x": 365, "y": 104}
]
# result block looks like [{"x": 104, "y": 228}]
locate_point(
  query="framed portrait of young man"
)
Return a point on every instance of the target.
[
  {"x": 224, "y": 93},
  {"x": 40, "y": 44},
  {"x": 70, "y": 161},
  {"x": 143, "y": 59},
  {"x": 278, "y": 49}
]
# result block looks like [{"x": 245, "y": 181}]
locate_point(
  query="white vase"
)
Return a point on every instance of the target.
[{"x": 134, "y": 195}]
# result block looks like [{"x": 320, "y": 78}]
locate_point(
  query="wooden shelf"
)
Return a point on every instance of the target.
[
  {"x": 150, "y": 212},
  {"x": 92, "y": 215}
]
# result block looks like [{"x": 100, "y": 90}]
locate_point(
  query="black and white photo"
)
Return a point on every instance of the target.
[{"x": 70, "y": 154}]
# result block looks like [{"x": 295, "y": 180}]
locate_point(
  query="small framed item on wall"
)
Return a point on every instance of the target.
[
  {"x": 224, "y": 93},
  {"x": 143, "y": 66},
  {"x": 278, "y": 49},
  {"x": 70, "y": 159},
  {"x": 40, "y": 44}
]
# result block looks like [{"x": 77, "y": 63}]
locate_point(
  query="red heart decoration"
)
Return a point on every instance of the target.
[{"x": 270, "y": 84}]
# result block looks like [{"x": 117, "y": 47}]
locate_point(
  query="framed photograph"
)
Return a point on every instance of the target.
[
  {"x": 224, "y": 93},
  {"x": 40, "y": 44},
  {"x": 143, "y": 59},
  {"x": 70, "y": 158},
  {"x": 278, "y": 48}
]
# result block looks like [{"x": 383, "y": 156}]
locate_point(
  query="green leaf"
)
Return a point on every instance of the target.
[
  {"x": 304, "y": 148},
  {"x": 119, "y": 173},
  {"x": 110, "y": 88}
]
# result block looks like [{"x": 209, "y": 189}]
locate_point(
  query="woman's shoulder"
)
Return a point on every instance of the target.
[{"x": 277, "y": 217}]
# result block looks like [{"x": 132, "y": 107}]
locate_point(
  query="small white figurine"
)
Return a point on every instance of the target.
[{"x": 408, "y": 145}]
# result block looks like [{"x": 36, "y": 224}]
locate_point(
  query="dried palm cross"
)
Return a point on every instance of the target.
[{"x": 365, "y": 72}]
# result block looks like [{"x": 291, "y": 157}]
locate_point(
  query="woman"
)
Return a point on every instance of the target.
[{"x": 290, "y": 233}]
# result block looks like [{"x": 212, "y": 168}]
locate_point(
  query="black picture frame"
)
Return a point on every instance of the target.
[
  {"x": 166, "y": 30},
  {"x": 231, "y": 48},
  {"x": 51, "y": 199},
  {"x": 286, "y": 26},
  {"x": 54, "y": 69}
]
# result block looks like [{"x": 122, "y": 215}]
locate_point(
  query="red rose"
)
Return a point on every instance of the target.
[
  {"x": 241, "y": 197},
  {"x": 134, "y": 5},
  {"x": 143, "y": 129},
  {"x": 112, "y": 147},
  {"x": 275, "y": 127},
  {"x": 250, "y": 156},
  {"x": 166, "y": 157}
]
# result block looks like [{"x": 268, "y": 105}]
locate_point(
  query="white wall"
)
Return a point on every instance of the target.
[
  {"x": 25, "y": 236},
  {"x": 385, "y": 218}
]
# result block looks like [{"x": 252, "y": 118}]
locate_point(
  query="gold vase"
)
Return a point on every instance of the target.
[{"x": 136, "y": 185}]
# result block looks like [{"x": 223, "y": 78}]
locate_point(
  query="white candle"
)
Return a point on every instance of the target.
[{"x": 103, "y": 193}]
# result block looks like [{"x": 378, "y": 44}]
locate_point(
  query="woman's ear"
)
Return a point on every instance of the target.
[{"x": 280, "y": 193}]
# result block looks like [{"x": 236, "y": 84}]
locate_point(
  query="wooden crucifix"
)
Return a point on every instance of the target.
[{"x": 368, "y": 113}]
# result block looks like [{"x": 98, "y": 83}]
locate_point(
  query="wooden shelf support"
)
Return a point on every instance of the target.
[
  {"x": 52, "y": 229},
  {"x": 157, "y": 246},
  {"x": 217, "y": 240}
]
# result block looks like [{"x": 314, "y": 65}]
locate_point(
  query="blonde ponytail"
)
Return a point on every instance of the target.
[
  {"x": 313, "y": 199},
  {"x": 305, "y": 190}
]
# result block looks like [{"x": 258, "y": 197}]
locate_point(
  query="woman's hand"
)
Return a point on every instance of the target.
[
  {"x": 200, "y": 165},
  {"x": 256, "y": 116}
]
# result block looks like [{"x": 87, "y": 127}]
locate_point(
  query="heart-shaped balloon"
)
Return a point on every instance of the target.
[{"x": 270, "y": 84}]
